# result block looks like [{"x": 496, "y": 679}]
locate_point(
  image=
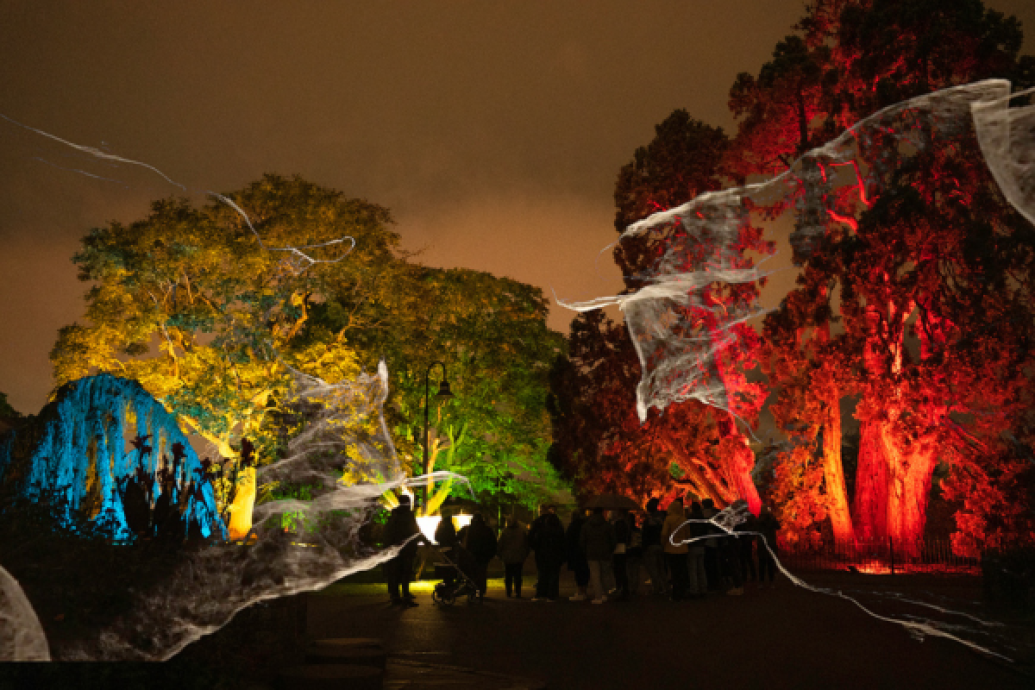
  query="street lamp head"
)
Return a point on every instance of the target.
[{"x": 443, "y": 389}]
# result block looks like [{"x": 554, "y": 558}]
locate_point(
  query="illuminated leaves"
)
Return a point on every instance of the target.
[{"x": 187, "y": 302}]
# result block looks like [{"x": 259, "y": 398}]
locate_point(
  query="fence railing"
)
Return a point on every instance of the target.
[{"x": 882, "y": 557}]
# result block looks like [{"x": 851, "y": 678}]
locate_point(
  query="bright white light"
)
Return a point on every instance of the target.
[{"x": 429, "y": 523}]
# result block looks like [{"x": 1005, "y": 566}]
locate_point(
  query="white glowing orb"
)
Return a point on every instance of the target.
[{"x": 429, "y": 523}]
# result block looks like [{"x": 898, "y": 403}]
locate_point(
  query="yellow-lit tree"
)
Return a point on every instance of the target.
[{"x": 210, "y": 311}]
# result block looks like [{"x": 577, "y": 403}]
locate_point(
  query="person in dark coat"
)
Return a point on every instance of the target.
[
  {"x": 533, "y": 535},
  {"x": 729, "y": 564},
  {"x": 697, "y": 577},
  {"x": 550, "y": 548},
  {"x": 513, "y": 549},
  {"x": 481, "y": 542},
  {"x": 711, "y": 548},
  {"x": 623, "y": 539},
  {"x": 400, "y": 529},
  {"x": 746, "y": 541},
  {"x": 673, "y": 537},
  {"x": 653, "y": 553},
  {"x": 445, "y": 533},
  {"x": 448, "y": 541},
  {"x": 598, "y": 542},
  {"x": 634, "y": 556},
  {"x": 576, "y": 557}
]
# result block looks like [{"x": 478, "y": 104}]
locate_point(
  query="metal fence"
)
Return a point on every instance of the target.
[{"x": 882, "y": 557}]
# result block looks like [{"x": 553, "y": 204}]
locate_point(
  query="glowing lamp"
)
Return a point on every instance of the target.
[{"x": 429, "y": 523}]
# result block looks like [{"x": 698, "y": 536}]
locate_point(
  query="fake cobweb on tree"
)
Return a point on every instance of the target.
[
  {"x": 346, "y": 459},
  {"x": 680, "y": 334},
  {"x": 21, "y": 636}
]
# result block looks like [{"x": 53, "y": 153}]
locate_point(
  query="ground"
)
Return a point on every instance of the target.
[
  {"x": 781, "y": 638},
  {"x": 785, "y": 637}
]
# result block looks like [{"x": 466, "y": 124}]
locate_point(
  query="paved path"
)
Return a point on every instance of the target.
[{"x": 783, "y": 638}]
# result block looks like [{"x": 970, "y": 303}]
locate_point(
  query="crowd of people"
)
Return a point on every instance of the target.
[{"x": 677, "y": 553}]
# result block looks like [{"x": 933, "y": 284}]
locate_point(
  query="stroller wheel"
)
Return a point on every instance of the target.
[{"x": 443, "y": 596}]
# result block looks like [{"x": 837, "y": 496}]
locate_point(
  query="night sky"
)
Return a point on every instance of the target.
[{"x": 492, "y": 130}]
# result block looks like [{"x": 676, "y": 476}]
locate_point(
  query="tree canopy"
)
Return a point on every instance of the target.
[
  {"x": 212, "y": 312},
  {"x": 914, "y": 298},
  {"x": 491, "y": 335}
]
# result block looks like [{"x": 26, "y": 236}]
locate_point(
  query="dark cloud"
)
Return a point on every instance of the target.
[{"x": 492, "y": 130}]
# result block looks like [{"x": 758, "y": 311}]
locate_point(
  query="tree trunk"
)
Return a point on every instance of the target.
[
  {"x": 833, "y": 468},
  {"x": 909, "y": 490},
  {"x": 834, "y": 476},
  {"x": 870, "y": 505},
  {"x": 708, "y": 486},
  {"x": 241, "y": 508},
  {"x": 738, "y": 467},
  {"x": 894, "y": 482}
]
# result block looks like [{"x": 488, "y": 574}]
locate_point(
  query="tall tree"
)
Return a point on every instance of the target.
[
  {"x": 492, "y": 337},
  {"x": 902, "y": 252},
  {"x": 685, "y": 159},
  {"x": 601, "y": 444},
  {"x": 210, "y": 319}
]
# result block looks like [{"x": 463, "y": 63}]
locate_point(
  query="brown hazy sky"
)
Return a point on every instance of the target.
[{"x": 492, "y": 129}]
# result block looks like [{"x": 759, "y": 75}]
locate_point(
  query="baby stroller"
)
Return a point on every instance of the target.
[{"x": 456, "y": 578}]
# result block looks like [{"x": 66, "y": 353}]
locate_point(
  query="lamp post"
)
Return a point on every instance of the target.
[{"x": 443, "y": 392}]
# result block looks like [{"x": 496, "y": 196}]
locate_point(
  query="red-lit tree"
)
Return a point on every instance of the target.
[
  {"x": 599, "y": 441},
  {"x": 907, "y": 272},
  {"x": 904, "y": 266},
  {"x": 780, "y": 120},
  {"x": 685, "y": 159}
]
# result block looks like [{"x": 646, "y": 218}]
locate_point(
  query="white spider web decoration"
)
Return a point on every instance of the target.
[{"x": 678, "y": 351}]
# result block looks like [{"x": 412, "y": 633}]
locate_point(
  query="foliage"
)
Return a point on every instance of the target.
[
  {"x": 598, "y": 438},
  {"x": 189, "y": 304},
  {"x": 6, "y": 410},
  {"x": 930, "y": 325},
  {"x": 599, "y": 442},
  {"x": 994, "y": 485},
  {"x": 799, "y": 505},
  {"x": 491, "y": 335},
  {"x": 684, "y": 159}
]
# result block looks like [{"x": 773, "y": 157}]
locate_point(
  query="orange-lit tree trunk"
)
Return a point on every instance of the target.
[
  {"x": 870, "y": 506},
  {"x": 805, "y": 364},
  {"x": 701, "y": 474},
  {"x": 739, "y": 461},
  {"x": 834, "y": 475},
  {"x": 737, "y": 455},
  {"x": 827, "y": 382}
]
